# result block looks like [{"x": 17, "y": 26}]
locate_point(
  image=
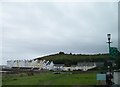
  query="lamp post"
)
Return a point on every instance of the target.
[{"x": 109, "y": 61}]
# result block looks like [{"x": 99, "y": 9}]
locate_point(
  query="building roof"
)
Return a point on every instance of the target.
[
  {"x": 85, "y": 63},
  {"x": 58, "y": 65}
]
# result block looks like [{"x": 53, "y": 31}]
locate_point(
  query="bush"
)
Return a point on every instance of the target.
[
  {"x": 30, "y": 73},
  {"x": 22, "y": 74}
]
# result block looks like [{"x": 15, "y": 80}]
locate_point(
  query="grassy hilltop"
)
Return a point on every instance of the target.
[{"x": 71, "y": 59}]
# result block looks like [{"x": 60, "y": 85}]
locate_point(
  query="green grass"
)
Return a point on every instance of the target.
[{"x": 51, "y": 79}]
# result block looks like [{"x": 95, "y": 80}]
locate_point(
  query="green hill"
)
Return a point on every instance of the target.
[{"x": 72, "y": 59}]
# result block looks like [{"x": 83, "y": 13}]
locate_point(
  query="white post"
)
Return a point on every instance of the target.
[{"x": 117, "y": 77}]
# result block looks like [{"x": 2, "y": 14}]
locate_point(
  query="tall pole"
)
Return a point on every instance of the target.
[{"x": 110, "y": 62}]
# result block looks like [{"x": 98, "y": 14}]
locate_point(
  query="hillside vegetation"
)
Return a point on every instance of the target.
[{"x": 72, "y": 59}]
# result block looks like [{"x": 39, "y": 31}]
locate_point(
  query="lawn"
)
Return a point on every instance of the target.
[{"x": 50, "y": 79}]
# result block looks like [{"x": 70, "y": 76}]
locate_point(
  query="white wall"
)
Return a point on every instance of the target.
[{"x": 116, "y": 78}]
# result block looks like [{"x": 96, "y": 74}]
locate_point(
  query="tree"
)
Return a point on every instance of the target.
[
  {"x": 118, "y": 61},
  {"x": 61, "y": 52}
]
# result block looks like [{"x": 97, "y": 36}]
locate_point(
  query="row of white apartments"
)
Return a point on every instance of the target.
[
  {"x": 49, "y": 65},
  {"x": 80, "y": 66},
  {"x": 41, "y": 64}
]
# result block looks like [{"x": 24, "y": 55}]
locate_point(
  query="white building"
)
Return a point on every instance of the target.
[
  {"x": 84, "y": 66},
  {"x": 58, "y": 67},
  {"x": 49, "y": 65},
  {"x": 41, "y": 64}
]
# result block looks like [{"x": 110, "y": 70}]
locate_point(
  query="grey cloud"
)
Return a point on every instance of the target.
[{"x": 37, "y": 29}]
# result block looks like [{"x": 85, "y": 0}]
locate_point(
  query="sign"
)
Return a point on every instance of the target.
[
  {"x": 113, "y": 52},
  {"x": 101, "y": 77}
]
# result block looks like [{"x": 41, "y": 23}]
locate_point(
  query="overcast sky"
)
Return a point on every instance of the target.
[{"x": 33, "y": 29}]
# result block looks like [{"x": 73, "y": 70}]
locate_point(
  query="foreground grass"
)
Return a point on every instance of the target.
[{"x": 51, "y": 79}]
